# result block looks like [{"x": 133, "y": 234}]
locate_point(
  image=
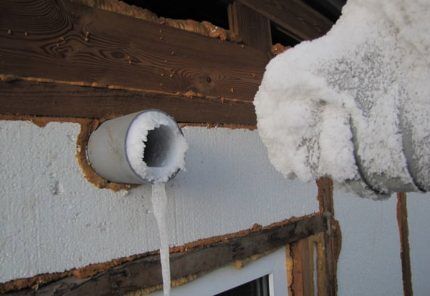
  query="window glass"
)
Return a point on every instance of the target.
[{"x": 257, "y": 287}]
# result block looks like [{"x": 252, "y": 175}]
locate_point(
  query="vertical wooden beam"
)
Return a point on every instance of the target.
[
  {"x": 321, "y": 265},
  {"x": 332, "y": 237},
  {"x": 306, "y": 267},
  {"x": 252, "y": 27},
  {"x": 402, "y": 220},
  {"x": 301, "y": 273}
]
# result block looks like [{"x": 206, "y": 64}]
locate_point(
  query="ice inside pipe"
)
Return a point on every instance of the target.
[{"x": 143, "y": 147}]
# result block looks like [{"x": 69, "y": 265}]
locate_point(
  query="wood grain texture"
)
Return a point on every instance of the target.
[
  {"x": 302, "y": 274},
  {"x": 52, "y": 99},
  {"x": 299, "y": 20},
  {"x": 306, "y": 265},
  {"x": 145, "y": 272},
  {"x": 65, "y": 41},
  {"x": 252, "y": 27}
]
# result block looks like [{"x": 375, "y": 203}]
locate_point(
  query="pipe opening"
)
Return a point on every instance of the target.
[
  {"x": 143, "y": 147},
  {"x": 158, "y": 146}
]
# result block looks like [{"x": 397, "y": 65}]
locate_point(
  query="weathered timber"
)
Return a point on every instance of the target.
[
  {"x": 20, "y": 97},
  {"x": 332, "y": 238},
  {"x": 144, "y": 273},
  {"x": 298, "y": 19},
  {"x": 252, "y": 27},
  {"x": 63, "y": 41},
  {"x": 402, "y": 220},
  {"x": 306, "y": 266},
  {"x": 302, "y": 273}
]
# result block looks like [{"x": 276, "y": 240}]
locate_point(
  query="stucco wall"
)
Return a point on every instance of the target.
[
  {"x": 369, "y": 262},
  {"x": 52, "y": 219},
  {"x": 419, "y": 241}
]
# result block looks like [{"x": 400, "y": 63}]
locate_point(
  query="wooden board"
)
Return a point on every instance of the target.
[
  {"x": 251, "y": 27},
  {"x": 145, "y": 272},
  {"x": 52, "y": 99},
  {"x": 301, "y": 21},
  {"x": 67, "y": 42}
]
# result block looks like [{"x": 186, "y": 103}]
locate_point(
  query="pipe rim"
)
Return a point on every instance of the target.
[{"x": 138, "y": 114}]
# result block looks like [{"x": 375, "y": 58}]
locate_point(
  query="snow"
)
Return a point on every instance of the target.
[
  {"x": 159, "y": 206},
  {"x": 354, "y": 104},
  {"x": 171, "y": 140}
]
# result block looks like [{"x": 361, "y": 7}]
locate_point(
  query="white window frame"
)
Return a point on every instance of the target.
[{"x": 229, "y": 277}]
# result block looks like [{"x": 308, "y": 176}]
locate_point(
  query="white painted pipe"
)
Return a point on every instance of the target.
[{"x": 143, "y": 147}]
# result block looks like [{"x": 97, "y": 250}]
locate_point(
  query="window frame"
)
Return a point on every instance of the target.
[{"x": 229, "y": 277}]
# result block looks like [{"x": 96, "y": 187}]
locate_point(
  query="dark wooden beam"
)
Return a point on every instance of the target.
[
  {"x": 402, "y": 221},
  {"x": 62, "y": 42},
  {"x": 20, "y": 97},
  {"x": 145, "y": 273},
  {"x": 332, "y": 238},
  {"x": 330, "y": 8},
  {"x": 301, "y": 21},
  {"x": 252, "y": 27},
  {"x": 301, "y": 255}
]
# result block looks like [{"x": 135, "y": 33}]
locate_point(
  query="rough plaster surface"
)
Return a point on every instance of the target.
[
  {"x": 369, "y": 262},
  {"x": 419, "y": 241},
  {"x": 52, "y": 219}
]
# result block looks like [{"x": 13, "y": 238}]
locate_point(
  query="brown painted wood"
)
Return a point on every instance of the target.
[
  {"x": 402, "y": 220},
  {"x": 298, "y": 19},
  {"x": 145, "y": 272},
  {"x": 332, "y": 238},
  {"x": 303, "y": 272},
  {"x": 306, "y": 266},
  {"x": 321, "y": 264},
  {"x": 325, "y": 195},
  {"x": 60, "y": 100},
  {"x": 252, "y": 27},
  {"x": 69, "y": 42}
]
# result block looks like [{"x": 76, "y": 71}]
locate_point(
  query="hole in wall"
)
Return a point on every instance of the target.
[
  {"x": 158, "y": 146},
  {"x": 87, "y": 127}
]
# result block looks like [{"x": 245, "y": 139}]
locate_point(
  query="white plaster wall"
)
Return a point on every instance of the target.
[
  {"x": 369, "y": 262},
  {"x": 419, "y": 241},
  {"x": 52, "y": 219}
]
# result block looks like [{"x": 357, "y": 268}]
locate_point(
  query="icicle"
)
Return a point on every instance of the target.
[{"x": 159, "y": 205}]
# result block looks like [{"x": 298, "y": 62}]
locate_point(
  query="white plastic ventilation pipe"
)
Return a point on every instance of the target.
[{"x": 143, "y": 147}]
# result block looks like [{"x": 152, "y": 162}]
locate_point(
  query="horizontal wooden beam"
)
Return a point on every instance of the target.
[
  {"x": 23, "y": 97},
  {"x": 297, "y": 18},
  {"x": 145, "y": 273},
  {"x": 68, "y": 42}
]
